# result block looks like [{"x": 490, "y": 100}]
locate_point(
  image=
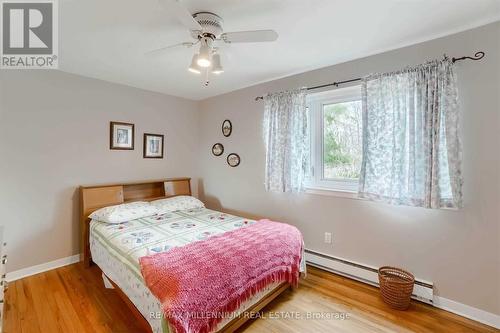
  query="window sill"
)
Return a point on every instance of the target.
[{"x": 332, "y": 192}]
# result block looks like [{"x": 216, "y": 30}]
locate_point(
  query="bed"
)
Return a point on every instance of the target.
[{"x": 116, "y": 248}]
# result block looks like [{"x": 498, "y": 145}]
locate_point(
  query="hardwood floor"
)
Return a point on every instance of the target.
[{"x": 73, "y": 299}]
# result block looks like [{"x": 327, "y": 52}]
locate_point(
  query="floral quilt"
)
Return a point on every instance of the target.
[{"x": 116, "y": 248}]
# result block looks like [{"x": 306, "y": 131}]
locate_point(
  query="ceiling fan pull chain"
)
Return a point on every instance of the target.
[{"x": 207, "y": 81}]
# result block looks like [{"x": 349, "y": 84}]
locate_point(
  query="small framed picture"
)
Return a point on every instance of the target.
[
  {"x": 233, "y": 160},
  {"x": 227, "y": 127},
  {"x": 121, "y": 136},
  {"x": 217, "y": 149},
  {"x": 153, "y": 145}
]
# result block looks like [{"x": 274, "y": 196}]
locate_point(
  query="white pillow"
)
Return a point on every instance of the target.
[
  {"x": 124, "y": 212},
  {"x": 181, "y": 202}
]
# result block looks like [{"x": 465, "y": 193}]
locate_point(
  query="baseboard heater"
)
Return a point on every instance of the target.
[{"x": 423, "y": 290}]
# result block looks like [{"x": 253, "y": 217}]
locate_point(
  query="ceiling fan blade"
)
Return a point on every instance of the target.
[
  {"x": 181, "y": 13},
  {"x": 162, "y": 49},
  {"x": 250, "y": 36}
]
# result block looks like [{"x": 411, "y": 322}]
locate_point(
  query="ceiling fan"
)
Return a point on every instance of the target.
[{"x": 206, "y": 29}]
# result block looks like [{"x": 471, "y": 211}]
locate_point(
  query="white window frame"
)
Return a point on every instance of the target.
[{"x": 316, "y": 102}]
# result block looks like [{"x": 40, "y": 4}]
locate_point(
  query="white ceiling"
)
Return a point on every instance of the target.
[{"x": 108, "y": 39}]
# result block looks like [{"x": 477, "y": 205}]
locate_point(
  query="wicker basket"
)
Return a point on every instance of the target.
[{"x": 396, "y": 286}]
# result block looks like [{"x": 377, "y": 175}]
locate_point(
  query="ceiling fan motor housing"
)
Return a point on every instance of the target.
[{"x": 211, "y": 25}]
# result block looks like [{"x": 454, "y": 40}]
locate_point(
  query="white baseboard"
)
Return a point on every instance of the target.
[
  {"x": 365, "y": 274},
  {"x": 28, "y": 271},
  {"x": 467, "y": 311}
]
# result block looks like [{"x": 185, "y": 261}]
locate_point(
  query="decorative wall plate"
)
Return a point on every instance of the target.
[
  {"x": 227, "y": 128},
  {"x": 217, "y": 149},
  {"x": 233, "y": 160}
]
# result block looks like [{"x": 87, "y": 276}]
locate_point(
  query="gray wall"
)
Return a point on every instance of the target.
[
  {"x": 54, "y": 136},
  {"x": 457, "y": 250}
]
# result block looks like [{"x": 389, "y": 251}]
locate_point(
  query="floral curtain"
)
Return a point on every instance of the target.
[
  {"x": 411, "y": 143},
  {"x": 287, "y": 141}
]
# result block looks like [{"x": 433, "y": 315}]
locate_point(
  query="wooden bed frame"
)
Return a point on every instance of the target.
[{"x": 98, "y": 196}]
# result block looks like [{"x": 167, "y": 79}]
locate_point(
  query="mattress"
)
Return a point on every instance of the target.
[{"x": 116, "y": 249}]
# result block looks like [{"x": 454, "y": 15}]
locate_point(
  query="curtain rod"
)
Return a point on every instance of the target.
[{"x": 477, "y": 56}]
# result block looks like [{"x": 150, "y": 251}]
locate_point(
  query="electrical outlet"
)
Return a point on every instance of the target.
[{"x": 328, "y": 237}]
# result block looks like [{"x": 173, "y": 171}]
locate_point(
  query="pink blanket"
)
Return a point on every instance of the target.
[{"x": 200, "y": 282}]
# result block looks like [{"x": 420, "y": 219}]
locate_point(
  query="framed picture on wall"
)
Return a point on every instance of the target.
[
  {"x": 217, "y": 149},
  {"x": 153, "y": 145},
  {"x": 233, "y": 160},
  {"x": 227, "y": 128},
  {"x": 121, "y": 136}
]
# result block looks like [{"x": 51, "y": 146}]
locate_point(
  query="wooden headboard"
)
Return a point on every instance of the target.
[{"x": 98, "y": 196}]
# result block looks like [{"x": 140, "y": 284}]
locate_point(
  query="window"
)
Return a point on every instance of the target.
[{"x": 336, "y": 139}]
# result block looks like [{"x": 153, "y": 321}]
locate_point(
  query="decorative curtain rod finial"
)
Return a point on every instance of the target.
[{"x": 479, "y": 55}]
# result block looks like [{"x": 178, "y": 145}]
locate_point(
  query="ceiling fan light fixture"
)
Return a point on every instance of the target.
[
  {"x": 194, "y": 68},
  {"x": 216, "y": 65},
  {"x": 204, "y": 62},
  {"x": 204, "y": 55}
]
